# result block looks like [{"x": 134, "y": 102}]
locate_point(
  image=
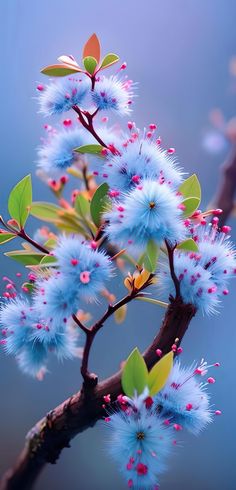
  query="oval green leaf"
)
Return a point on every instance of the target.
[
  {"x": 99, "y": 203},
  {"x": 82, "y": 206},
  {"x": 189, "y": 245},
  {"x": 134, "y": 376},
  {"x": 159, "y": 374},
  {"x": 20, "y": 200},
  {"x": 90, "y": 64},
  {"x": 191, "y": 187},
  {"x": 91, "y": 149},
  {"x": 151, "y": 256},
  {"x": 59, "y": 70},
  {"x": 109, "y": 60},
  {"x": 6, "y": 237},
  {"x": 24, "y": 257},
  {"x": 191, "y": 204},
  {"x": 45, "y": 211}
]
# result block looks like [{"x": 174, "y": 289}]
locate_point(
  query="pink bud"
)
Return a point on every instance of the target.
[
  {"x": 177, "y": 427},
  {"x": 93, "y": 245},
  {"x": 40, "y": 87},
  {"x": 67, "y": 122},
  {"x": 74, "y": 262},
  {"x": 152, "y": 127},
  {"x": 218, "y": 412},
  {"x": 225, "y": 292},
  {"x": 189, "y": 407},
  {"x": 166, "y": 422},
  {"x": 135, "y": 179},
  {"x": 179, "y": 350},
  {"x": 107, "y": 419},
  {"x": 171, "y": 151},
  {"x": 216, "y": 212},
  {"x": 211, "y": 380},
  {"x": 159, "y": 352},
  {"x": 123, "y": 66},
  {"x": 226, "y": 229},
  {"x": 158, "y": 141},
  {"x": 130, "y": 125},
  {"x": 130, "y": 483},
  {"x": 149, "y": 134},
  {"x": 107, "y": 398},
  {"x": 217, "y": 364}
]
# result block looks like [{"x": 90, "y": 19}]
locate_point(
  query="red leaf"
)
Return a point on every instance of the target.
[{"x": 92, "y": 48}]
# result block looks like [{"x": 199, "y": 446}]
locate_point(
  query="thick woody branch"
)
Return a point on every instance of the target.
[
  {"x": 53, "y": 433},
  {"x": 224, "y": 198}
]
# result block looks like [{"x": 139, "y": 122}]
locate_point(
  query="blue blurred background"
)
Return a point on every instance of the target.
[{"x": 179, "y": 51}]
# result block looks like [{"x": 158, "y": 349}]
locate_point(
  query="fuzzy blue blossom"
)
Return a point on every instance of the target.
[
  {"x": 15, "y": 322},
  {"x": 56, "y": 299},
  {"x": 57, "y": 153},
  {"x": 62, "y": 94},
  {"x": 141, "y": 159},
  {"x": 149, "y": 212},
  {"x": 33, "y": 358},
  {"x": 139, "y": 443},
  {"x": 31, "y": 339},
  {"x": 113, "y": 94},
  {"x": 82, "y": 268},
  {"x": 203, "y": 276},
  {"x": 184, "y": 399}
]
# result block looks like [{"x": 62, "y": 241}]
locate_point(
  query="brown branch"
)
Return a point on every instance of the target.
[
  {"x": 54, "y": 432},
  {"x": 224, "y": 198},
  {"x": 89, "y": 124}
]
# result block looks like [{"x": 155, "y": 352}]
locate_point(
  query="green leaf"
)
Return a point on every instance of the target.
[
  {"x": 50, "y": 243},
  {"x": 45, "y": 211},
  {"x": 134, "y": 376},
  {"x": 99, "y": 203},
  {"x": 190, "y": 204},
  {"x": 153, "y": 301},
  {"x": 82, "y": 205},
  {"x": 6, "y": 237},
  {"x": 48, "y": 261},
  {"x": 91, "y": 149},
  {"x": 20, "y": 200},
  {"x": 159, "y": 374},
  {"x": 25, "y": 257},
  {"x": 59, "y": 70},
  {"x": 90, "y": 64},
  {"x": 189, "y": 245},
  {"x": 109, "y": 60},
  {"x": 191, "y": 187},
  {"x": 152, "y": 253}
]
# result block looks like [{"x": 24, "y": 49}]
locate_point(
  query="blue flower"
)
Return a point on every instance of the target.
[
  {"x": 203, "y": 276},
  {"x": 138, "y": 160},
  {"x": 113, "y": 94},
  {"x": 184, "y": 399},
  {"x": 139, "y": 443},
  {"x": 83, "y": 268},
  {"x": 33, "y": 358},
  {"x": 61, "y": 94},
  {"x": 57, "y": 155},
  {"x": 56, "y": 300},
  {"x": 15, "y": 321},
  {"x": 150, "y": 211}
]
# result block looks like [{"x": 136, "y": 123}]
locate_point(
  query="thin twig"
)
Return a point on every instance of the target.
[{"x": 170, "y": 251}]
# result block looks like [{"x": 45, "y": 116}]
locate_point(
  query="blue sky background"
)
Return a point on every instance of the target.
[{"x": 179, "y": 52}]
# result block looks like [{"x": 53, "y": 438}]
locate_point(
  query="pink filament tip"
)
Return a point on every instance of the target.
[
  {"x": 211, "y": 380},
  {"x": 74, "y": 262},
  {"x": 159, "y": 352},
  {"x": 226, "y": 229},
  {"x": 107, "y": 398},
  {"x": 85, "y": 277},
  {"x": 40, "y": 88},
  {"x": 67, "y": 122},
  {"x": 171, "y": 151},
  {"x": 218, "y": 412},
  {"x": 177, "y": 427}
]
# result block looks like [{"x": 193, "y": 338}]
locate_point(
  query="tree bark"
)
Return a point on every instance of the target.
[{"x": 53, "y": 433}]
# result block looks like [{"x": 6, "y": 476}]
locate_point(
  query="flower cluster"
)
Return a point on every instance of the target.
[
  {"x": 138, "y": 159},
  {"x": 184, "y": 400},
  {"x": 204, "y": 275},
  {"x": 30, "y": 339},
  {"x": 61, "y": 95},
  {"x": 32, "y": 330},
  {"x": 142, "y": 430},
  {"x": 140, "y": 443},
  {"x": 151, "y": 211},
  {"x": 57, "y": 153},
  {"x": 113, "y": 94}
]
